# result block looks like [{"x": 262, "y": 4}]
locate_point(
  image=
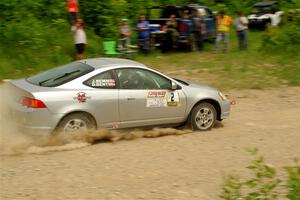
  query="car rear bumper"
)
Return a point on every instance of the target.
[
  {"x": 34, "y": 130},
  {"x": 33, "y": 121},
  {"x": 258, "y": 23}
]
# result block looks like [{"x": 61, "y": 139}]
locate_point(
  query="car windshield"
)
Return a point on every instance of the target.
[{"x": 60, "y": 75}]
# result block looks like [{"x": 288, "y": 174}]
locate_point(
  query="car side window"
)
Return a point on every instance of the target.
[
  {"x": 133, "y": 78},
  {"x": 102, "y": 80}
]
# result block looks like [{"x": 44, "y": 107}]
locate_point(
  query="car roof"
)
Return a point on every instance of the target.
[
  {"x": 111, "y": 62},
  {"x": 262, "y": 4}
]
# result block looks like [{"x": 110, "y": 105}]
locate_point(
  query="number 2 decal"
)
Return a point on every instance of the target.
[{"x": 172, "y": 97}]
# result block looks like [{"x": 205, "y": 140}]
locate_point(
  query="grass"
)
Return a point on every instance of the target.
[
  {"x": 252, "y": 68},
  {"x": 18, "y": 61}
]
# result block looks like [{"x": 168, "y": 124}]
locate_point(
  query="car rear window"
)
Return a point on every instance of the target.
[{"x": 60, "y": 75}]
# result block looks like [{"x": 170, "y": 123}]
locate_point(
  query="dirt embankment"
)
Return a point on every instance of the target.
[{"x": 182, "y": 165}]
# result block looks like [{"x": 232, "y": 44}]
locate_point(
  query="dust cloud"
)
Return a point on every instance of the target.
[{"x": 14, "y": 142}]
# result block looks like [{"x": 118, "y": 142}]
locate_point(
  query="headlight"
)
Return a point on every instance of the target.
[{"x": 223, "y": 97}]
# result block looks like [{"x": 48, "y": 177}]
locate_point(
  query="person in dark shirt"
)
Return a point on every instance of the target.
[
  {"x": 198, "y": 27},
  {"x": 185, "y": 26},
  {"x": 171, "y": 28}
]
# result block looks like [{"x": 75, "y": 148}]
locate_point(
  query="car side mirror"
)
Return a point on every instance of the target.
[{"x": 174, "y": 86}]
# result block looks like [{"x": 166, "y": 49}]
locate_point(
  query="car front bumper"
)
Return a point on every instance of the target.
[{"x": 225, "y": 109}]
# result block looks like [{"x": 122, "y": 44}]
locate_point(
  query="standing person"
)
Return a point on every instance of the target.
[
  {"x": 223, "y": 26},
  {"x": 80, "y": 40},
  {"x": 171, "y": 28},
  {"x": 198, "y": 28},
  {"x": 185, "y": 26},
  {"x": 72, "y": 9},
  {"x": 125, "y": 33},
  {"x": 241, "y": 27},
  {"x": 185, "y": 29},
  {"x": 143, "y": 30}
]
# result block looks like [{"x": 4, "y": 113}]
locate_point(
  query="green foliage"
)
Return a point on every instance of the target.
[
  {"x": 35, "y": 35},
  {"x": 286, "y": 38},
  {"x": 293, "y": 183},
  {"x": 264, "y": 184},
  {"x": 232, "y": 189}
]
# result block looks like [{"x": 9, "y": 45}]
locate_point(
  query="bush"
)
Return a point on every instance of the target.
[
  {"x": 283, "y": 39},
  {"x": 264, "y": 185},
  {"x": 293, "y": 182}
]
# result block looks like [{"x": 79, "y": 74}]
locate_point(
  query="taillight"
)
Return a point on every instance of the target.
[{"x": 33, "y": 103}]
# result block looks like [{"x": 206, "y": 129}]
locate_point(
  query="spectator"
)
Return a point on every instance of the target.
[
  {"x": 72, "y": 9},
  {"x": 223, "y": 26},
  {"x": 241, "y": 27},
  {"x": 171, "y": 27},
  {"x": 198, "y": 27},
  {"x": 185, "y": 26},
  {"x": 143, "y": 30},
  {"x": 80, "y": 40},
  {"x": 125, "y": 33}
]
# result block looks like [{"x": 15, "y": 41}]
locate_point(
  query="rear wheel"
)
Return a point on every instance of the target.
[
  {"x": 77, "y": 122},
  {"x": 203, "y": 117}
]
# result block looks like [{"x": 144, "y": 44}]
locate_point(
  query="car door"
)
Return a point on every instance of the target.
[
  {"x": 103, "y": 99},
  {"x": 145, "y": 99}
]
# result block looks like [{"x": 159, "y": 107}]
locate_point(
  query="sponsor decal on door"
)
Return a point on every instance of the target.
[{"x": 162, "y": 99}]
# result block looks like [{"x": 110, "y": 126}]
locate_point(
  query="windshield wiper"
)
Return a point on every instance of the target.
[
  {"x": 41, "y": 83},
  {"x": 66, "y": 74}
]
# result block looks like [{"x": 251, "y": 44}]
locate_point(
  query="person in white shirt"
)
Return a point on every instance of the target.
[
  {"x": 80, "y": 40},
  {"x": 241, "y": 27}
]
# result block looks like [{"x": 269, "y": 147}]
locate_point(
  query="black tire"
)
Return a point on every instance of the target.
[
  {"x": 200, "y": 120},
  {"x": 81, "y": 122}
]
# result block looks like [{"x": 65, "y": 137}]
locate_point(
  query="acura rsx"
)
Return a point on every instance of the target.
[{"x": 111, "y": 93}]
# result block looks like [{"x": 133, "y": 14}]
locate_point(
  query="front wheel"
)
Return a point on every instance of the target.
[{"x": 203, "y": 117}]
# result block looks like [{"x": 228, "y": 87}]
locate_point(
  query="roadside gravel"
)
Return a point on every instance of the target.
[{"x": 183, "y": 167}]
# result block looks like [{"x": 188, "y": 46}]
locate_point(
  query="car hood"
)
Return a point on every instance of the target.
[{"x": 199, "y": 85}]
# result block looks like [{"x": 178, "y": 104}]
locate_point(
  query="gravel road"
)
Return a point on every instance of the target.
[{"x": 182, "y": 166}]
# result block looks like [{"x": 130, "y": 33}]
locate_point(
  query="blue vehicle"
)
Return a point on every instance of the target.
[{"x": 159, "y": 35}]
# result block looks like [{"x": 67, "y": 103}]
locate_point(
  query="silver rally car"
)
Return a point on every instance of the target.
[{"x": 112, "y": 93}]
